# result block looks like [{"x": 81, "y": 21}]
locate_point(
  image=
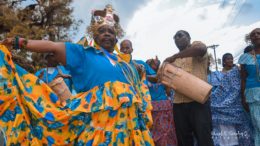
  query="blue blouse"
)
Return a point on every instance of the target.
[
  {"x": 252, "y": 90},
  {"x": 90, "y": 67},
  {"x": 250, "y": 66},
  {"x": 157, "y": 91}
]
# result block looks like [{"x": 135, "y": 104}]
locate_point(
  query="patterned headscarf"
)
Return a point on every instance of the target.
[{"x": 104, "y": 17}]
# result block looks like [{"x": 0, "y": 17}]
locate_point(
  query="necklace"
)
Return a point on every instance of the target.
[
  {"x": 129, "y": 72},
  {"x": 132, "y": 76}
]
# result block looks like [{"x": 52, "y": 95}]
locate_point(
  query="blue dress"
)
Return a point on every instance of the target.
[
  {"x": 252, "y": 90},
  {"x": 111, "y": 109},
  {"x": 227, "y": 109}
]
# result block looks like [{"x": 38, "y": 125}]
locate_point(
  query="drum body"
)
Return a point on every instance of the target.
[
  {"x": 60, "y": 88},
  {"x": 185, "y": 83}
]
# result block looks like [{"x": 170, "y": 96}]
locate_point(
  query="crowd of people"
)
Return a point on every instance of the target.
[{"x": 91, "y": 95}]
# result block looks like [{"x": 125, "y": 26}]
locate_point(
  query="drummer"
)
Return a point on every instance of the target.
[{"x": 191, "y": 118}]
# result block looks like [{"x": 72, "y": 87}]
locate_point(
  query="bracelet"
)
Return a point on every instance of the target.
[
  {"x": 15, "y": 42},
  {"x": 19, "y": 43}
]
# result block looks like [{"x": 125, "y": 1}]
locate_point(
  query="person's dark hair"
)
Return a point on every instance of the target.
[
  {"x": 248, "y": 48},
  {"x": 224, "y": 57},
  {"x": 182, "y": 31},
  {"x": 127, "y": 41}
]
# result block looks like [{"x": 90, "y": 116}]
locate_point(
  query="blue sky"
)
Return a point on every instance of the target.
[{"x": 249, "y": 13}]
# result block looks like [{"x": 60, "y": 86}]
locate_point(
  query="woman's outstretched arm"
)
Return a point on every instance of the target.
[{"x": 41, "y": 46}]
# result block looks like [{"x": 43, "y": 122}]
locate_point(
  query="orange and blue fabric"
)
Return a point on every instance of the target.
[{"x": 110, "y": 110}]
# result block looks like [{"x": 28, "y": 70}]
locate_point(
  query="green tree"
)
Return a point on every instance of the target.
[{"x": 41, "y": 19}]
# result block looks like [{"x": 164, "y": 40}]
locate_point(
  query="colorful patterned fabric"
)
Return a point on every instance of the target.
[
  {"x": 163, "y": 129},
  {"x": 113, "y": 113},
  {"x": 227, "y": 110}
]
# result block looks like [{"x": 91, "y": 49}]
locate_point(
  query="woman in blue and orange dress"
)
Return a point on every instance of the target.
[{"x": 112, "y": 108}]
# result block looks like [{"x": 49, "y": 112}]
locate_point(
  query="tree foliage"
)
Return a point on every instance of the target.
[{"x": 37, "y": 19}]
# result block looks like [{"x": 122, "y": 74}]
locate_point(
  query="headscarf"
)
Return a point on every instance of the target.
[{"x": 104, "y": 17}]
